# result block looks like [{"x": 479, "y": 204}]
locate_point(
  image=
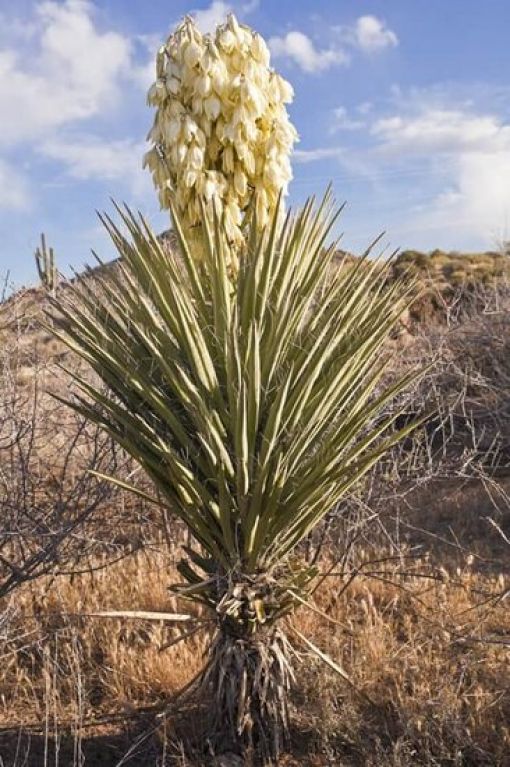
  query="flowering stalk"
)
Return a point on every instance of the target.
[{"x": 221, "y": 132}]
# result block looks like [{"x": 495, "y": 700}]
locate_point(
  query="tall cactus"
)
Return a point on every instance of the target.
[{"x": 46, "y": 266}]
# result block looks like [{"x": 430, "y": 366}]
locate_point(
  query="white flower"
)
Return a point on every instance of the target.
[
  {"x": 261, "y": 206},
  {"x": 189, "y": 128},
  {"x": 154, "y": 135},
  {"x": 210, "y": 188},
  {"x": 237, "y": 61},
  {"x": 172, "y": 129},
  {"x": 227, "y": 40},
  {"x": 210, "y": 57},
  {"x": 173, "y": 69},
  {"x": 181, "y": 151},
  {"x": 252, "y": 95},
  {"x": 272, "y": 173},
  {"x": 200, "y": 138},
  {"x": 149, "y": 159},
  {"x": 192, "y": 54},
  {"x": 220, "y": 130},
  {"x": 157, "y": 93},
  {"x": 190, "y": 177},
  {"x": 221, "y": 124},
  {"x": 197, "y": 105},
  {"x": 161, "y": 62},
  {"x": 202, "y": 85},
  {"x": 175, "y": 109},
  {"x": 285, "y": 88},
  {"x": 228, "y": 160},
  {"x": 195, "y": 157},
  {"x": 230, "y": 132},
  {"x": 240, "y": 183},
  {"x": 249, "y": 162},
  {"x": 252, "y": 133},
  {"x": 240, "y": 115},
  {"x": 233, "y": 25},
  {"x": 219, "y": 77},
  {"x": 212, "y": 107},
  {"x": 260, "y": 50},
  {"x": 173, "y": 86}
]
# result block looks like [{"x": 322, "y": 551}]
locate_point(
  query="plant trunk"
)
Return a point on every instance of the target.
[{"x": 248, "y": 679}]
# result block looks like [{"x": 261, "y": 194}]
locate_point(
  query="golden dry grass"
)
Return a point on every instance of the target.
[{"x": 420, "y": 694}]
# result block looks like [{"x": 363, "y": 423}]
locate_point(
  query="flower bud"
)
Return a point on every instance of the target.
[
  {"x": 161, "y": 62},
  {"x": 249, "y": 162},
  {"x": 233, "y": 24},
  {"x": 240, "y": 184},
  {"x": 228, "y": 160},
  {"x": 261, "y": 207}
]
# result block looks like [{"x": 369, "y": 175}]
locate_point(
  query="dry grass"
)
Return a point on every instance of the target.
[{"x": 421, "y": 694}]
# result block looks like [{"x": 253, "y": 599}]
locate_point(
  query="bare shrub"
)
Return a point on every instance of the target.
[{"x": 56, "y": 515}]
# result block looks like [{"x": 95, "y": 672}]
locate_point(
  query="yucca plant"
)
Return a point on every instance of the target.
[{"x": 253, "y": 401}]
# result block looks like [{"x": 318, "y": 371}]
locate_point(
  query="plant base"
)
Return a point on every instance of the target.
[{"x": 248, "y": 680}]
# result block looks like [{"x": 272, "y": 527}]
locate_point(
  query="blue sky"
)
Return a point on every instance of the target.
[{"x": 403, "y": 104}]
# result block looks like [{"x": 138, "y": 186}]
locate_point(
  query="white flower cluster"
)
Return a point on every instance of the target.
[{"x": 221, "y": 130}]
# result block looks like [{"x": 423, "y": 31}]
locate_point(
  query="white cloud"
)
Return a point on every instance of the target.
[
  {"x": 208, "y": 19},
  {"x": 437, "y": 169},
  {"x": 480, "y": 200},
  {"x": 365, "y": 107},
  {"x": 14, "y": 188},
  {"x": 315, "y": 155},
  {"x": 470, "y": 154},
  {"x": 343, "y": 122},
  {"x": 70, "y": 73},
  {"x": 250, "y": 5},
  {"x": 144, "y": 75},
  {"x": 300, "y": 49},
  {"x": 368, "y": 34},
  {"x": 92, "y": 158},
  {"x": 371, "y": 35},
  {"x": 442, "y": 130}
]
